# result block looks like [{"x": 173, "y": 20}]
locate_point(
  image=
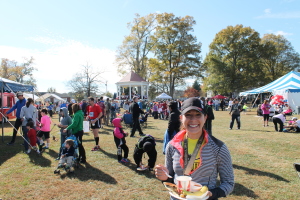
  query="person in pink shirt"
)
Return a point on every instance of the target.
[
  {"x": 265, "y": 107},
  {"x": 45, "y": 129}
]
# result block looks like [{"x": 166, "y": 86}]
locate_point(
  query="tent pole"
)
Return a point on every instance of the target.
[
  {"x": 255, "y": 101},
  {"x": 2, "y": 111}
]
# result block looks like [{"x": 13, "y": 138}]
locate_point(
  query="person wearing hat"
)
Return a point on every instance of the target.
[
  {"x": 146, "y": 144},
  {"x": 279, "y": 119},
  {"x": 195, "y": 153},
  {"x": 19, "y": 104}
]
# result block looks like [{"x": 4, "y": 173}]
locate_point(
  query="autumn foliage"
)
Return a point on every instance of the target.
[{"x": 191, "y": 92}]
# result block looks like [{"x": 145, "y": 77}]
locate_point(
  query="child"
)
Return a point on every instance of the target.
[
  {"x": 32, "y": 137},
  {"x": 145, "y": 144},
  {"x": 45, "y": 129},
  {"x": 67, "y": 156},
  {"x": 119, "y": 136}
]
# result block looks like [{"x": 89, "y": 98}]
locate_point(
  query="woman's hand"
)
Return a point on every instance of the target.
[
  {"x": 209, "y": 194},
  {"x": 159, "y": 172},
  {"x": 65, "y": 130}
]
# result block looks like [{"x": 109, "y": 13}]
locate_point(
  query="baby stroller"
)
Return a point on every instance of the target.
[
  {"x": 127, "y": 119},
  {"x": 143, "y": 121},
  {"x": 74, "y": 163}
]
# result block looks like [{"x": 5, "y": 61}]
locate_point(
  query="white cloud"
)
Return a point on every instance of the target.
[
  {"x": 57, "y": 64},
  {"x": 282, "y": 15},
  {"x": 279, "y": 32},
  {"x": 282, "y": 33},
  {"x": 267, "y": 11}
]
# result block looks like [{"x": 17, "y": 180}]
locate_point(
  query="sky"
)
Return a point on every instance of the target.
[{"x": 62, "y": 36}]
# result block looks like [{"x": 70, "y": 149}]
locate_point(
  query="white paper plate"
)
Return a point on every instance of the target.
[{"x": 194, "y": 198}]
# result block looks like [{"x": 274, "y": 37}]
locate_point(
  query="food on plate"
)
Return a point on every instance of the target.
[
  {"x": 202, "y": 191},
  {"x": 171, "y": 187},
  {"x": 197, "y": 190}
]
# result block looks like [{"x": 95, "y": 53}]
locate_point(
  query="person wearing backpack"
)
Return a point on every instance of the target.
[
  {"x": 146, "y": 144},
  {"x": 235, "y": 114},
  {"x": 107, "y": 111},
  {"x": 193, "y": 152}
]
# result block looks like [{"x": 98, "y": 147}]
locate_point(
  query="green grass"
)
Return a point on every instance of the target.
[{"x": 262, "y": 161}]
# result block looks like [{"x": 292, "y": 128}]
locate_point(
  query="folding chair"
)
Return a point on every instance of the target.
[
  {"x": 297, "y": 168},
  {"x": 127, "y": 119}
]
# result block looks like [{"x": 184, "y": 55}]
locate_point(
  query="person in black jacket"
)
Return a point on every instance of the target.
[
  {"x": 145, "y": 144},
  {"x": 136, "y": 111},
  {"x": 174, "y": 119},
  {"x": 210, "y": 116},
  {"x": 174, "y": 124}
]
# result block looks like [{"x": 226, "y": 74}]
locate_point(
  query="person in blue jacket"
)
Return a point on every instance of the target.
[{"x": 19, "y": 104}]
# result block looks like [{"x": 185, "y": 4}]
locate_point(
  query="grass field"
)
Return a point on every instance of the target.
[{"x": 262, "y": 162}]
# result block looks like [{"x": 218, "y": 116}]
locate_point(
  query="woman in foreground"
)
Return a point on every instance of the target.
[{"x": 211, "y": 157}]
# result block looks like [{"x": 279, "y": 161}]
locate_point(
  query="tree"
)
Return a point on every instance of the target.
[
  {"x": 232, "y": 63},
  {"x": 19, "y": 72},
  {"x": 85, "y": 81},
  {"x": 176, "y": 49},
  {"x": 132, "y": 54},
  {"x": 196, "y": 85},
  {"x": 51, "y": 90},
  {"x": 191, "y": 92},
  {"x": 108, "y": 94},
  {"x": 278, "y": 57}
]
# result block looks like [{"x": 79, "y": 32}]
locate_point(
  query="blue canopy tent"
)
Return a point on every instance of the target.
[
  {"x": 287, "y": 85},
  {"x": 288, "y": 81},
  {"x": 12, "y": 86}
]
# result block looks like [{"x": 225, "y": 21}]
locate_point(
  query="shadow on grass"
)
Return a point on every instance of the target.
[
  {"x": 8, "y": 152},
  {"x": 260, "y": 173},
  {"x": 240, "y": 190},
  {"x": 86, "y": 172},
  {"x": 130, "y": 165},
  {"x": 38, "y": 159},
  {"x": 107, "y": 132}
]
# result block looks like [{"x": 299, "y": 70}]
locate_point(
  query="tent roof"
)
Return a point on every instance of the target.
[
  {"x": 288, "y": 81},
  {"x": 132, "y": 77},
  {"x": 163, "y": 96},
  {"x": 12, "y": 86},
  {"x": 28, "y": 95},
  {"x": 47, "y": 95}
]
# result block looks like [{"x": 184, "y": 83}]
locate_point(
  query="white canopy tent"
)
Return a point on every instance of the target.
[
  {"x": 48, "y": 96},
  {"x": 28, "y": 95},
  {"x": 163, "y": 96}
]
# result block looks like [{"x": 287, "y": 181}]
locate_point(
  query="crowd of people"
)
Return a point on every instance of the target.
[{"x": 189, "y": 146}]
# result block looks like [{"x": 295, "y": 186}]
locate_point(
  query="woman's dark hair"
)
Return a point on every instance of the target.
[
  {"x": 44, "y": 111},
  {"x": 76, "y": 107},
  {"x": 29, "y": 101}
]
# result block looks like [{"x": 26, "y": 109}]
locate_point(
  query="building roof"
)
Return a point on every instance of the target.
[{"x": 132, "y": 77}]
